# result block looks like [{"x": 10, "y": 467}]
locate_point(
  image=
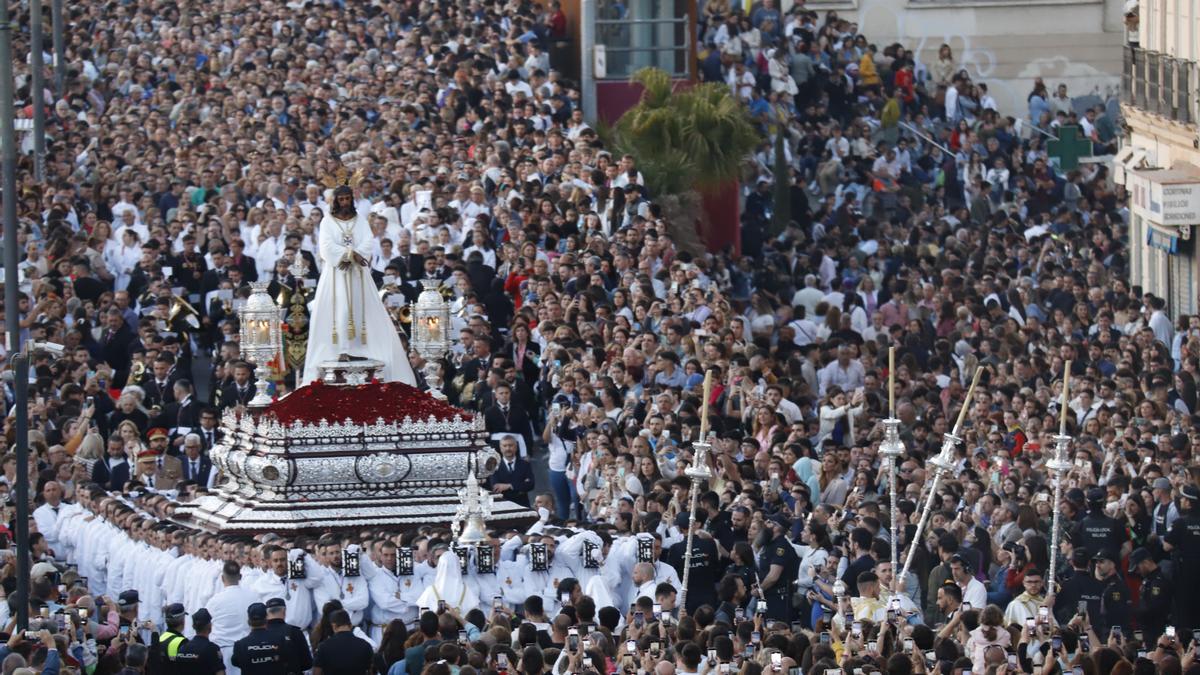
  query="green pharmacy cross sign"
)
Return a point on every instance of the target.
[{"x": 1069, "y": 147}]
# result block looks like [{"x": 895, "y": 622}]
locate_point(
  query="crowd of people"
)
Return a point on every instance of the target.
[{"x": 185, "y": 161}]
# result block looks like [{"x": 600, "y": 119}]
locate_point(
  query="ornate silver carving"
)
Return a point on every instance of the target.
[
  {"x": 384, "y": 467},
  {"x": 349, "y": 372}
]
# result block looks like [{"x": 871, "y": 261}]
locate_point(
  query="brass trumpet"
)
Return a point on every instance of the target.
[{"x": 182, "y": 308}]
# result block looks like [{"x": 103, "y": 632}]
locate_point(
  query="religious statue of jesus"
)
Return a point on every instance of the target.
[{"x": 348, "y": 318}]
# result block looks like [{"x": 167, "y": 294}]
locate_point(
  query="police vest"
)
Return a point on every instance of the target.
[{"x": 170, "y": 643}]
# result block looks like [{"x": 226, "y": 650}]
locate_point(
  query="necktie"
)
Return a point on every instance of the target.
[
  {"x": 510, "y": 466},
  {"x": 195, "y": 469}
]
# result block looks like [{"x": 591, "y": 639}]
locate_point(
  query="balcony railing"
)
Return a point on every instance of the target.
[{"x": 1160, "y": 84}]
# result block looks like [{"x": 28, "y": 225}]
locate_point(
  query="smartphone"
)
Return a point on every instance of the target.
[
  {"x": 123, "y": 632},
  {"x": 587, "y": 662},
  {"x": 639, "y": 619},
  {"x": 462, "y": 637},
  {"x": 797, "y": 627},
  {"x": 573, "y": 640},
  {"x": 1085, "y": 644},
  {"x": 966, "y": 607},
  {"x": 930, "y": 659},
  {"x": 825, "y": 637},
  {"x": 748, "y": 652},
  {"x": 1043, "y": 614},
  {"x": 1056, "y": 643},
  {"x": 631, "y": 647},
  {"x": 739, "y": 614},
  {"x": 1030, "y": 623},
  {"x": 564, "y": 598},
  {"x": 756, "y": 637},
  {"x": 908, "y": 645},
  {"x": 1115, "y": 632},
  {"x": 1138, "y": 638},
  {"x": 32, "y": 635},
  {"x": 497, "y": 603},
  {"x": 83, "y": 614},
  {"x": 655, "y": 648},
  {"x": 712, "y": 657},
  {"x": 657, "y": 609},
  {"x": 776, "y": 662},
  {"x": 1169, "y": 633},
  {"x": 1081, "y": 607},
  {"x": 587, "y": 643},
  {"x": 856, "y": 628},
  {"x": 441, "y": 606},
  {"x": 1012, "y": 660},
  {"x": 502, "y": 662}
]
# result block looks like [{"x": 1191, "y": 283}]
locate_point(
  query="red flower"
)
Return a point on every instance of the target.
[{"x": 364, "y": 404}]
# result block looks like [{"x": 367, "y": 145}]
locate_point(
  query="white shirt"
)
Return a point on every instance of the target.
[
  {"x": 975, "y": 593},
  {"x": 46, "y": 517},
  {"x": 228, "y": 610}
]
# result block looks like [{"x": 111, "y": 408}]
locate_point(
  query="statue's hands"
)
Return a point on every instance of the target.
[{"x": 359, "y": 259}]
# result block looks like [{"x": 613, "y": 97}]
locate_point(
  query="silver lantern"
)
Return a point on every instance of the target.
[
  {"x": 261, "y": 338},
  {"x": 431, "y": 332}
]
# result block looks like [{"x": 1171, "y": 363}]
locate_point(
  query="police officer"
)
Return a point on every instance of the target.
[
  {"x": 1113, "y": 608},
  {"x": 295, "y": 646},
  {"x": 1183, "y": 543},
  {"x": 199, "y": 656},
  {"x": 1154, "y": 601},
  {"x": 1076, "y": 585},
  {"x": 777, "y": 568},
  {"x": 1097, "y": 532},
  {"x": 165, "y": 650},
  {"x": 262, "y": 651}
]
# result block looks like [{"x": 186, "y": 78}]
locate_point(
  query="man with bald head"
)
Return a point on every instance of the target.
[
  {"x": 46, "y": 516},
  {"x": 643, "y": 580}
]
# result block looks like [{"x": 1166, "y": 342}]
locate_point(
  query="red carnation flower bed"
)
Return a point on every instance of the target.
[{"x": 362, "y": 404}]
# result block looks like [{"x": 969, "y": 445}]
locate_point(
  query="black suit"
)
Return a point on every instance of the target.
[
  {"x": 156, "y": 394},
  {"x": 112, "y": 479},
  {"x": 175, "y": 415},
  {"x": 514, "y": 421},
  {"x": 206, "y": 442},
  {"x": 520, "y": 477},
  {"x": 231, "y": 395},
  {"x": 203, "y": 469},
  {"x": 114, "y": 350},
  {"x": 248, "y": 267}
]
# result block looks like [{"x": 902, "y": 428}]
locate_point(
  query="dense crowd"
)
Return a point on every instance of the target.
[{"x": 186, "y": 159}]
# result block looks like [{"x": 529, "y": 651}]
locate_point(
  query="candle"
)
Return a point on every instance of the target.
[
  {"x": 962, "y": 414},
  {"x": 1066, "y": 398},
  {"x": 704, "y": 406},
  {"x": 892, "y": 381}
]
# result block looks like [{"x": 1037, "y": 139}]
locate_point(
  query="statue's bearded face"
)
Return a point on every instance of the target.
[
  {"x": 344, "y": 201},
  {"x": 343, "y": 204}
]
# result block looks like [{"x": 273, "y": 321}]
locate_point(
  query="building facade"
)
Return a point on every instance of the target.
[
  {"x": 1004, "y": 43},
  {"x": 1159, "y": 164}
]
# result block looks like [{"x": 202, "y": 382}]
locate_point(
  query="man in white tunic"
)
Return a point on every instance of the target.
[
  {"x": 352, "y": 591},
  {"x": 388, "y": 593},
  {"x": 297, "y": 593},
  {"x": 348, "y": 318},
  {"x": 228, "y": 610}
]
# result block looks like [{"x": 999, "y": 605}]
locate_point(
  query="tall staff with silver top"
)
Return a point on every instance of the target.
[
  {"x": 697, "y": 472},
  {"x": 941, "y": 465},
  {"x": 1059, "y": 466},
  {"x": 891, "y": 449}
]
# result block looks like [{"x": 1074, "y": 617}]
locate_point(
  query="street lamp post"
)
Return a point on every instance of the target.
[
  {"x": 20, "y": 359},
  {"x": 37, "y": 88},
  {"x": 891, "y": 449}
]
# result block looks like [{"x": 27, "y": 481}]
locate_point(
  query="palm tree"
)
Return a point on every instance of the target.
[{"x": 685, "y": 139}]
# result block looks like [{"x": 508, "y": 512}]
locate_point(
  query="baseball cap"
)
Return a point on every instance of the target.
[
  {"x": 127, "y": 599},
  {"x": 175, "y": 610},
  {"x": 1103, "y": 554},
  {"x": 257, "y": 611},
  {"x": 276, "y": 603},
  {"x": 1138, "y": 555},
  {"x": 42, "y": 569},
  {"x": 1095, "y": 494},
  {"x": 1162, "y": 483},
  {"x": 201, "y": 618}
]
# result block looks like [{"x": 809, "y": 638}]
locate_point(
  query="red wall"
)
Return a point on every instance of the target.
[{"x": 722, "y": 204}]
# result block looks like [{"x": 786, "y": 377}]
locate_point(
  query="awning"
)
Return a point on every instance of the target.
[
  {"x": 1128, "y": 158},
  {"x": 1163, "y": 241}
]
